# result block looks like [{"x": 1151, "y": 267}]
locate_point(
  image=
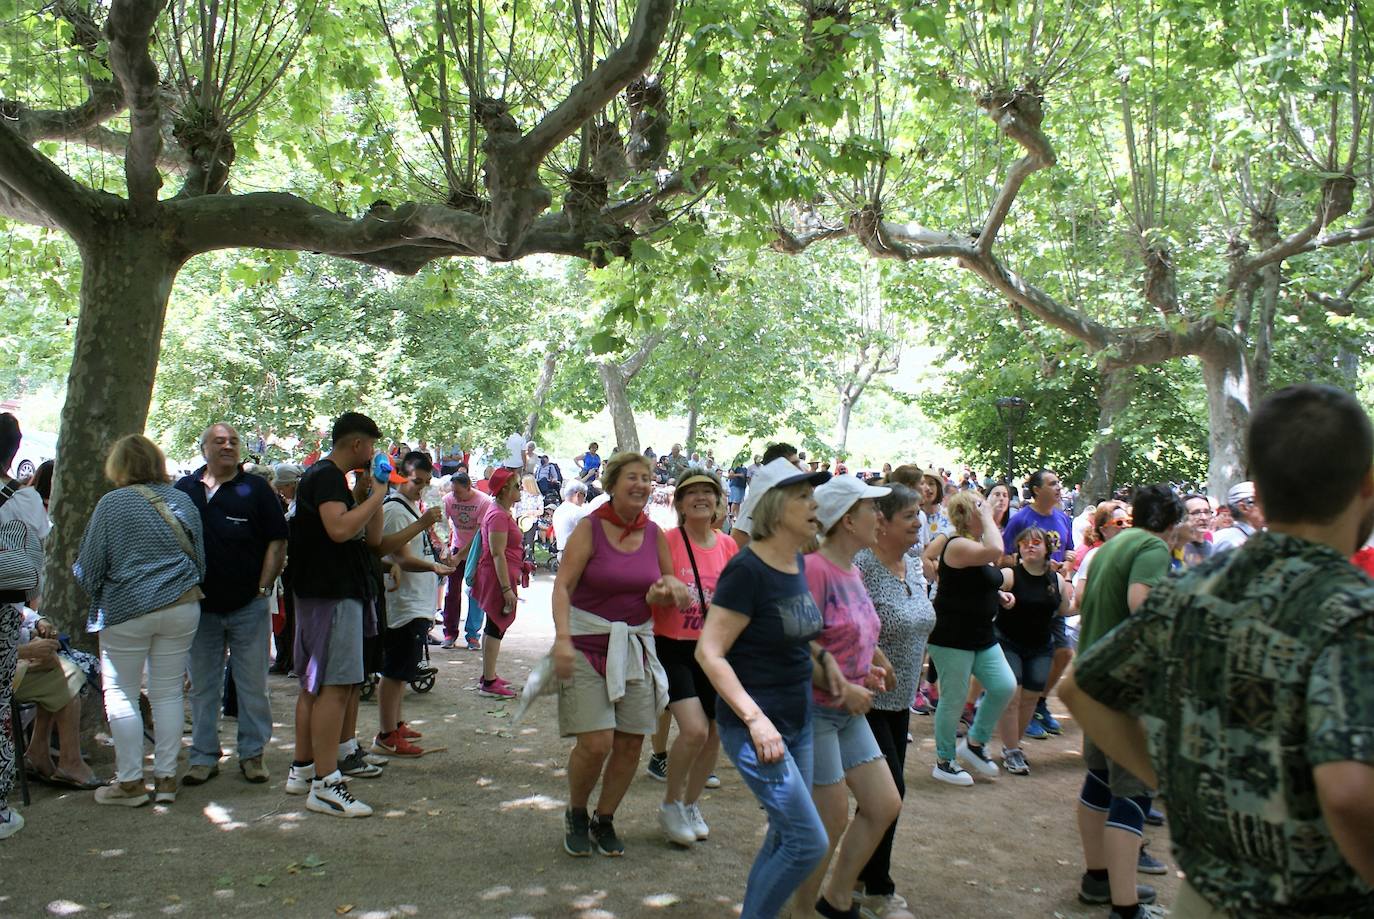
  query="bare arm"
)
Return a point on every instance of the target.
[
  {"x": 1119, "y": 735},
  {"x": 1346, "y": 793},
  {"x": 343, "y": 524},
  {"x": 667, "y": 590},
  {"x": 391, "y": 543},
  {"x": 272, "y": 563}
]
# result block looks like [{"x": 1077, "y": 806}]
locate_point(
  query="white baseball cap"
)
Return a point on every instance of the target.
[
  {"x": 836, "y": 497},
  {"x": 777, "y": 474}
]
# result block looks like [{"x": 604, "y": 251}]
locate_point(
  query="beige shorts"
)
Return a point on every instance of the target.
[
  {"x": 51, "y": 689},
  {"x": 583, "y": 706}
]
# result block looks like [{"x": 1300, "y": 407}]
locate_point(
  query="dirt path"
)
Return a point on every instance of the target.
[{"x": 476, "y": 831}]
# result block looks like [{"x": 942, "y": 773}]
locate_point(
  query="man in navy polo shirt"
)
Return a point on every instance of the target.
[{"x": 245, "y": 546}]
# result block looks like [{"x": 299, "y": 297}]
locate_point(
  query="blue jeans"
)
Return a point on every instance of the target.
[
  {"x": 956, "y": 666},
  {"x": 244, "y": 634},
  {"x": 472, "y": 626},
  {"x": 796, "y": 840}
]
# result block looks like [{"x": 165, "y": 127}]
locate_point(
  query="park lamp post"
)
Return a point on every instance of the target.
[{"x": 1011, "y": 410}]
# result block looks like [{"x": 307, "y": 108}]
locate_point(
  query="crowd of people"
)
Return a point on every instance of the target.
[{"x": 795, "y": 616}]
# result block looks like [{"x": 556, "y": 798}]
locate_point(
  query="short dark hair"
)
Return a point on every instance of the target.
[
  {"x": 896, "y": 501},
  {"x": 1309, "y": 420},
  {"x": 779, "y": 450},
  {"x": 415, "y": 461},
  {"x": 1036, "y": 480},
  {"x": 350, "y": 423},
  {"x": 1156, "y": 508},
  {"x": 461, "y": 478},
  {"x": 9, "y": 439}
]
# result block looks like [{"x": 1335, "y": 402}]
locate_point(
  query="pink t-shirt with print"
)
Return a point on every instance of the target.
[{"x": 851, "y": 622}]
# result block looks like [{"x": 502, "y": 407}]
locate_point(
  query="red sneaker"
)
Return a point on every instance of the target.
[
  {"x": 407, "y": 731},
  {"x": 394, "y": 744},
  {"x": 496, "y": 689}
]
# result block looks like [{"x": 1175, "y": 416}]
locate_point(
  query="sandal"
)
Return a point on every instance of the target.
[{"x": 63, "y": 779}]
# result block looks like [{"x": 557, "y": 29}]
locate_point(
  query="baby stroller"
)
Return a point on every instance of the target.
[{"x": 423, "y": 680}]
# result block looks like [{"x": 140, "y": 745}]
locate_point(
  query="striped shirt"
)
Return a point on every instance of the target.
[{"x": 131, "y": 563}]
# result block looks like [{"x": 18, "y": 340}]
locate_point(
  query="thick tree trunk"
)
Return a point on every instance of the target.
[
  {"x": 693, "y": 415},
  {"x": 1112, "y": 399},
  {"x": 1226, "y": 374},
  {"x": 541, "y": 394},
  {"x": 618, "y": 403},
  {"x": 125, "y": 281},
  {"x": 842, "y": 423}
]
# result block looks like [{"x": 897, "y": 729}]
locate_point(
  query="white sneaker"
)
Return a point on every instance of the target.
[
  {"x": 677, "y": 826},
  {"x": 877, "y": 906},
  {"x": 951, "y": 773},
  {"x": 298, "y": 779},
  {"x": 11, "y": 822},
  {"x": 698, "y": 822},
  {"x": 978, "y": 761},
  {"x": 330, "y": 795}
]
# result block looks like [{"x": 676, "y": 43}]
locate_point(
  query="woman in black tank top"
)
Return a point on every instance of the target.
[
  {"x": 1025, "y": 631},
  {"x": 964, "y": 643}
]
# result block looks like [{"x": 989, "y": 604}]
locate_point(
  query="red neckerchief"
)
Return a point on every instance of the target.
[{"x": 606, "y": 512}]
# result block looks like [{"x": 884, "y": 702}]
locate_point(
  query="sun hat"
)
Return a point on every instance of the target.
[
  {"x": 698, "y": 480},
  {"x": 1239, "y": 492},
  {"x": 778, "y": 473},
  {"x": 499, "y": 478},
  {"x": 836, "y": 497}
]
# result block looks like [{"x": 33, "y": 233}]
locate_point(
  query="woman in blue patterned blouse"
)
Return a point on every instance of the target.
[{"x": 141, "y": 561}]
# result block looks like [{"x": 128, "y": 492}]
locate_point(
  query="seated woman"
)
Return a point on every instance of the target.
[{"x": 53, "y": 683}]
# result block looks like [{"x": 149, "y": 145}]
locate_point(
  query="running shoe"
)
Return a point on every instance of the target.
[
  {"x": 449, "y": 644},
  {"x": 698, "y": 822},
  {"x": 396, "y": 744},
  {"x": 1146, "y": 911},
  {"x": 676, "y": 825},
  {"x": 976, "y": 757},
  {"x": 1147, "y": 864},
  {"x": 603, "y": 834},
  {"x": 712, "y": 781},
  {"x": 124, "y": 794},
  {"x": 658, "y": 767},
  {"x": 577, "y": 839},
  {"x": 474, "y": 644},
  {"x": 164, "y": 789},
  {"x": 374, "y": 759},
  {"x": 331, "y": 796},
  {"x": 1047, "y": 720},
  {"x": 407, "y": 731},
  {"x": 494, "y": 689},
  {"x": 880, "y": 906},
  {"x": 1015, "y": 762},
  {"x": 951, "y": 773},
  {"x": 1094, "y": 892},
  {"x": 922, "y": 705},
  {"x": 11, "y": 822},
  {"x": 1036, "y": 731},
  {"x": 356, "y": 766},
  {"x": 1155, "y": 817}
]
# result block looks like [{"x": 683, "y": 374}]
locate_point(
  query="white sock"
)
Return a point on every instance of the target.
[{"x": 348, "y": 746}]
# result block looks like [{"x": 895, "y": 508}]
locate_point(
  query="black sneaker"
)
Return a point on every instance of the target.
[
  {"x": 356, "y": 766},
  {"x": 1095, "y": 892},
  {"x": 603, "y": 834},
  {"x": 1155, "y": 817},
  {"x": 577, "y": 840},
  {"x": 658, "y": 766}
]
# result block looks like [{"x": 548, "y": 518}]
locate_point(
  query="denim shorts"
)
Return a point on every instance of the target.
[
  {"x": 842, "y": 742},
  {"x": 1061, "y": 636}
]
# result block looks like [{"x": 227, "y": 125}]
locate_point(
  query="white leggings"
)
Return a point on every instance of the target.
[{"x": 161, "y": 639}]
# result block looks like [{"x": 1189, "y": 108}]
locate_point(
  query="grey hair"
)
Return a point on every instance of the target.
[
  {"x": 573, "y": 487},
  {"x": 205, "y": 434}
]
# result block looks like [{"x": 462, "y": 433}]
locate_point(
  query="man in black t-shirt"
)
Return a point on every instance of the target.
[{"x": 330, "y": 535}]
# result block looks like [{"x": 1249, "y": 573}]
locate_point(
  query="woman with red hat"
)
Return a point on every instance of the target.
[{"x": 494, "y": 585}]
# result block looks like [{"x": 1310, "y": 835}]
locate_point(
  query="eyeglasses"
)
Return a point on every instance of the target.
[{"x": 1201, "y": 512}]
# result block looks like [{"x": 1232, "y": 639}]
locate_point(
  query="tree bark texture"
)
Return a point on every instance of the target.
[
  {"x": 1112, "y": 399},
  {"x": 1226, "y": 375},
  {"x": 842, "y": 423},
  {"x": 615, "y": 384},
  {"x": 126, "y": 278},
  {"x": 541, "y": 393}
]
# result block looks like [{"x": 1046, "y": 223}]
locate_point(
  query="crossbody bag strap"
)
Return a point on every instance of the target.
[
  {"x": 7, "y": 490},
  {"x": 691, "y": 557},
  {"x": 178, "y": 529}
]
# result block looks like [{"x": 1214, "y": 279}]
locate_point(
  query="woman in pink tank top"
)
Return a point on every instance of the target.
[{"x": 615, "y": 565}]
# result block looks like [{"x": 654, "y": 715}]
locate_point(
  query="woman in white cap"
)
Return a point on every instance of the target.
[
  {"x": 845, "y": 750},
  {"x": 758, "y": 648},
  {"x": 700, "y": 553}
]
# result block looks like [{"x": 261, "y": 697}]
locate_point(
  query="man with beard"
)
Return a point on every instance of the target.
[{"x": 1241, "y": 688}]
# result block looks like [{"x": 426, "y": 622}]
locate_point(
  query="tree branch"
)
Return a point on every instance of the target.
[
  {"x": 635, "y": 362},
  {"x": 1337, "y": 198},
  {"x": 593, "y": 93},
  {"x": 129, "y": 28},
  {"x": 36, "y": 184},
  {"x": 1018, "y": 115}
]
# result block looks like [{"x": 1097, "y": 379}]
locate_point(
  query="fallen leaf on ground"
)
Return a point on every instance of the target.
[
  {"x": 312, "y": 861},
  {"x": 262, "y": 880},
  {"x": 343, "y": 909}
]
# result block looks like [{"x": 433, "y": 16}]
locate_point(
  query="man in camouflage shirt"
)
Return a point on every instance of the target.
[{"x": 1243, "y": 688}]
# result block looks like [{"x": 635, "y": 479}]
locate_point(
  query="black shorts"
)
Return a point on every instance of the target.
[
  {"x": 686, "y": 679},
  {"x": 403, "y": 648},
  {"x": 492, "y": 630}
]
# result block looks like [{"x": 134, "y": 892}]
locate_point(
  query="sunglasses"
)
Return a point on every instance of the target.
[{"x": 1033, "y": 541}]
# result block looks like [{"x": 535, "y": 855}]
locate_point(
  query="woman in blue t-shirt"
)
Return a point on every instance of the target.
[{"x": 758, "y": 649}]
